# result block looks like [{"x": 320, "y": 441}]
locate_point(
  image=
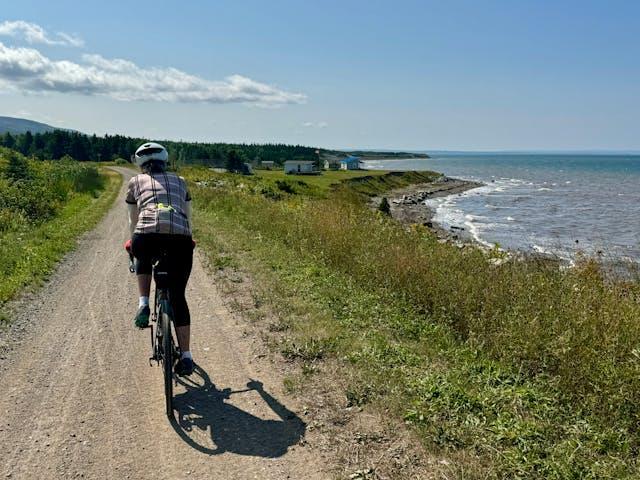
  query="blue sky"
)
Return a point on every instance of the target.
[{"x": 531, "y": 75}]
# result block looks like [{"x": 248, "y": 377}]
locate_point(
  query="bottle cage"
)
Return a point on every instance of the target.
[{"x": 161, "y": 271}]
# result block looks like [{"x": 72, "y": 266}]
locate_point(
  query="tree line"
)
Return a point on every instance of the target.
[{"x": 57, "y": 144}]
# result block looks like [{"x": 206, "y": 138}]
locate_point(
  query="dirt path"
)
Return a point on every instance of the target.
[{"x": 79, "y": 399}]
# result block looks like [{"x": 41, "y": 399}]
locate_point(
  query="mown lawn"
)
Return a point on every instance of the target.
[
  {"x": 521, "y": 370},
  {"x": 323, "y": 181}
]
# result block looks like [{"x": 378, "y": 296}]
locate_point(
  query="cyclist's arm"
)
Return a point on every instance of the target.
[
  {"x": 132, "y": 204},
  {"x": 132, "y": 210}
]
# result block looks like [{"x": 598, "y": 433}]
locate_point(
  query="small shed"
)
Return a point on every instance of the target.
[
  {"x": 298, "y": 166},
  {"x": 350, "y": 163},
  {"x": 268, "y": 165}
]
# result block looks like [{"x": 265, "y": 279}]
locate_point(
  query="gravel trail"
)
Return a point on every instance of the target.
[{"x": 79, "y": 399}]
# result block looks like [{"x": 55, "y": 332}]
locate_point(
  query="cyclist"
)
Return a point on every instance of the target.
[{"x": 159, "y": 206}]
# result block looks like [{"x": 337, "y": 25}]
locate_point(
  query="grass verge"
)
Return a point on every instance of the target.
[
  {"x": 518, "y": 370},
  {"x": 29, "y": 254}
]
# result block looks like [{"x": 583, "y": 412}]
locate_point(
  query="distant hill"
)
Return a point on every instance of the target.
[{"x": 20, "y": 125}]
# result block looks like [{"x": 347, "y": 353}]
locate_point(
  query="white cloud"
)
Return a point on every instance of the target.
[
  {"x": 315, "y": 125},
  {"x": 71, "y": 40},
  {"x": 34, "y": 33},
  {"x": 28, "y": 70}
]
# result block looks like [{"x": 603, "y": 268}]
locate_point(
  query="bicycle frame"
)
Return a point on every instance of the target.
[
  {"x": 162, "y": 303},
  {"x": 164, "y": 345}
]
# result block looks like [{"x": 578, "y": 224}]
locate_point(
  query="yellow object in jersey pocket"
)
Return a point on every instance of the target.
[{"x": 165, "y": 208}]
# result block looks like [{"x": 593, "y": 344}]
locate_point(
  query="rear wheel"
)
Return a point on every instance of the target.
[{"x": 167, "y": 359}]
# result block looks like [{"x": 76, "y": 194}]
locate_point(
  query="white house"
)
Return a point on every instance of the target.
[
  {"x": 298, "y": 166},
  {"x": 350, "y": 163}
]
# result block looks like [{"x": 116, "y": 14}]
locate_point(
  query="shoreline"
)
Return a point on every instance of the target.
[{"x": 407, "y": 206}]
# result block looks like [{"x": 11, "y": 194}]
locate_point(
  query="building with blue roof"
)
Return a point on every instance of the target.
[{"x": 350, "y": 163}]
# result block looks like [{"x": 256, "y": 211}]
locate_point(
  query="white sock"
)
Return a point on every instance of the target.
[
  {"x": 187, "y": 354},
  {"x": 143, "y": 301}
]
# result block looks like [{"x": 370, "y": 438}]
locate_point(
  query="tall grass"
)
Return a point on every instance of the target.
[
  {"x": 566, "y": 342},
  {"x": 44, "y": 206}
]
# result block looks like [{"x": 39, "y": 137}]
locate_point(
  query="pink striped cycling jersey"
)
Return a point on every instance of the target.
[{"x": 162, "y": 203}]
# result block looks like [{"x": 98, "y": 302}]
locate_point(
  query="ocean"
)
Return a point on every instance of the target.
[{"x": 561, "y": 205}]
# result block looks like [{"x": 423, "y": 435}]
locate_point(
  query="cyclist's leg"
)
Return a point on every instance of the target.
[
  {"x": 144, "y": 285},
  {"x": 181, "y": 263},
  {"x": 143, "y": 248}
]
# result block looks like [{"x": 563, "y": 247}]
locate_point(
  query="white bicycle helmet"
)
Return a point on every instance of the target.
[{"x": 148, "y": 152}]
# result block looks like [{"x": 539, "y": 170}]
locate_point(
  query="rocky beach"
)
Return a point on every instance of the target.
[{"x": 408, "y": 207}]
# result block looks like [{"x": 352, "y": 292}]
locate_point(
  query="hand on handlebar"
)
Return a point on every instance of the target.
[
  {"x": 254, "y": 385},
  {"x": 127, "y": 247}
]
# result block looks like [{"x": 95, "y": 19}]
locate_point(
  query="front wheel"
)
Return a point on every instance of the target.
[{"x": 167, "y": 359}]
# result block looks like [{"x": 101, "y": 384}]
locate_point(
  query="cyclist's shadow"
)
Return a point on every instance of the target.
[{"x": 232, "y": 429}]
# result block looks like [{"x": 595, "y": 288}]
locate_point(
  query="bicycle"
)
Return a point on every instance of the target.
[{"x": 164, "y": 346}]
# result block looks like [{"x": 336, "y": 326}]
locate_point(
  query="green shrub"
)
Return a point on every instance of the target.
[
  {"x": 285, "y": 186},
  {"x": 384, "y": 206},
  {"x": 44, "y": 206},
  {"x": 33, "y": 191},
  {"x": 17, "y": 167}
]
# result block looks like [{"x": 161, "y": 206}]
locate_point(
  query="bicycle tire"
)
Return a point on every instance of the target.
[{"x": 167, "y": 359}]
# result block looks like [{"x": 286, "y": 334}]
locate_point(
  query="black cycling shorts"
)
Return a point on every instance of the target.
[{"x": 146, "y": 246}]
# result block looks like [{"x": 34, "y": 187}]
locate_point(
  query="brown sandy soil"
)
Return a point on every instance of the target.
[{"x": 79, "y": 399}]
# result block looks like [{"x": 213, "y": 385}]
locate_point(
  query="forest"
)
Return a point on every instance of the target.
[{"x": 64, "y": 143}]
